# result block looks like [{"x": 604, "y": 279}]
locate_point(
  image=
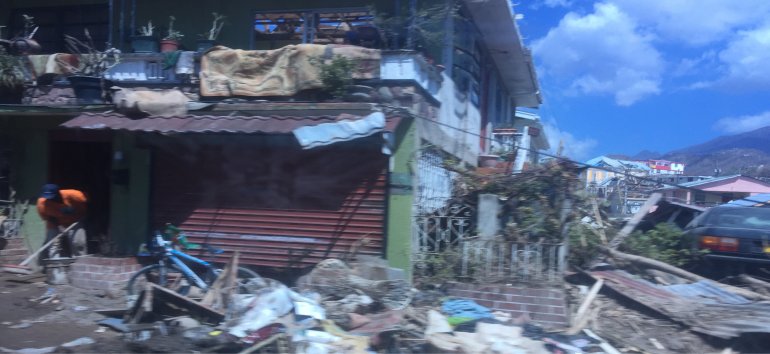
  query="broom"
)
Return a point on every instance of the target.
[{"x": 22, "y": 267}]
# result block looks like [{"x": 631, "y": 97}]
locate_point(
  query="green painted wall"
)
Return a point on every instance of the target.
[
  {"x": 129, "y": 213},
  {"x": 399, "y": 244},
  {"x": 29, "y": 167}
]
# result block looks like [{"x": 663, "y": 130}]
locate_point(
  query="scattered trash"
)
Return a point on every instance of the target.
[
  {"x": 79, "y": 308},
  {"x": 21, "y": 325},
  {"x": 78, "y": 342}
]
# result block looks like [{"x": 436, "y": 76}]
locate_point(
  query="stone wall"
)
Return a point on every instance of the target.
[
  {"x": 103, "y": 273},
  {"x": 545, "y": 306}
]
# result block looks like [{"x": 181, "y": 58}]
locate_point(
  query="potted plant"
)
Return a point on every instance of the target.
[
  {"x": 145, "y": 42},
  {"x": 209, "y": 38},
  {"x": 11, "y": 78},
  {"x": 87, "y": 77},
  {"x": 170, "y": 43}
]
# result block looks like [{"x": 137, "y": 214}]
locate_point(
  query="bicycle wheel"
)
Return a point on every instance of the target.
[
  {"x": 243, "y": 277},
  {"x": 169, "y": 277}
]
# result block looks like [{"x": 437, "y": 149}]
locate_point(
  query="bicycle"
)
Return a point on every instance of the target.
[{"x": 172, "y": 272}]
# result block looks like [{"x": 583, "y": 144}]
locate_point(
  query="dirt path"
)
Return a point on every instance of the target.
[{"x": 25, "y": 323}]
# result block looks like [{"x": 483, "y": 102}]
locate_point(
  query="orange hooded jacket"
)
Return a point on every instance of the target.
[{"x": 72, "y": 208}]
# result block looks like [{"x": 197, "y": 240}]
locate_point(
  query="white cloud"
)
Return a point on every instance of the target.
[
  {"x": 601, "y": 53},
  {"x": 574, "y": 148},
  {"x": 549, "y": 3},
  {"x": 735, "y": 125},
  {"x": 696, "y": 22},
  {"x": 747, "y": 59}
]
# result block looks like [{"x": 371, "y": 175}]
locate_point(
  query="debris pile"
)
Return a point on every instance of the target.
[{"x": 333, "y": 309}]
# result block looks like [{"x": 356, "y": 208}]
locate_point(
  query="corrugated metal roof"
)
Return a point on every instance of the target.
[
  {"x": 234, "y": 124},
  {"x": 758, "y": 200},
  {"x": 617, "y": 163},
  {"x": 702, "y": 182},
  {"x": 701, "y": 305}
]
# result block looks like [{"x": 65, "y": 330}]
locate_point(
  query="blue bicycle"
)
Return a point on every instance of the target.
[{"x": 172, "y": 270}]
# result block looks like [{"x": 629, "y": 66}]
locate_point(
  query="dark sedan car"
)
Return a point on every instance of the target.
[{"x": 732, "y": 233}]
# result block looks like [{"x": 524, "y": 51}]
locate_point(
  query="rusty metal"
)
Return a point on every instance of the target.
[
  {"x": 235, "y": 124},
  {"x": 280, "y": 207},
  {"x": 701, "y": 305}
]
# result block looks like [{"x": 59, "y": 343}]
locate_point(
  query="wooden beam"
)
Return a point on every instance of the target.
[
  {"x": 631, "y": 224},
  {"x": 166, "y": 301},
  {"x": 598, "y": 218}
]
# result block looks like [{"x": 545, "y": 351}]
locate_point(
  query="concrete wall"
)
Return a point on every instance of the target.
[{"x": 29, "y": 167}]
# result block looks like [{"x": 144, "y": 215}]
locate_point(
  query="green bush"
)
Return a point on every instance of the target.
[{"x": 662, "y": 243}]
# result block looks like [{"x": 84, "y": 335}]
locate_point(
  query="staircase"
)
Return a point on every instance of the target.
[{"x": 12, "y": 250}]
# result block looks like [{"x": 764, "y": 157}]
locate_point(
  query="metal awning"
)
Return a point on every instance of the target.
[{"x": 334, "y": 128}]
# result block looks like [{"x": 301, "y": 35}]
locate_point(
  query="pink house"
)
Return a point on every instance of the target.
[{"x": 715, "y": 191}]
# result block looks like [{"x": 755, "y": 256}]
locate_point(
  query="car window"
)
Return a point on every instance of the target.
[{"x": 747, "y": 217}]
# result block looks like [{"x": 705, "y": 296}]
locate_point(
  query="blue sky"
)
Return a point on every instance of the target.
[{"x": 622, "y": 76}]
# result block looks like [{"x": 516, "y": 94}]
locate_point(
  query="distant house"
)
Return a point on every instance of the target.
[
  {"x": 715, "y": 191},
  {"x": 615, "y": 181},
  {"x": 665, "y": 167},
  {"x": 598, "y": 172}
]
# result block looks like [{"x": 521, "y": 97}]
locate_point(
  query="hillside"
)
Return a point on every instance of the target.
[{"x": 746, "y": 153}]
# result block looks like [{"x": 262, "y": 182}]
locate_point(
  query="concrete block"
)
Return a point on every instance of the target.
[{"x": 487, "y": 220}]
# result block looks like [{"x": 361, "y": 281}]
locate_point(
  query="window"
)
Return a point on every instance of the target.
[{"x": 276, "y": 29}]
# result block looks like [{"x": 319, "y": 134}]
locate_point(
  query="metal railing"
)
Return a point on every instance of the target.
[
  {"x": 10, "y": 219},
  {"x": 492, "y": 261}
]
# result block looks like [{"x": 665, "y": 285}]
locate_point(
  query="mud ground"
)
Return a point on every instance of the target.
[{"x": 28, "y": 324}]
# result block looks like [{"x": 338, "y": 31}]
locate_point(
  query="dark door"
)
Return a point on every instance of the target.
[{"x": 85, "y": 166}]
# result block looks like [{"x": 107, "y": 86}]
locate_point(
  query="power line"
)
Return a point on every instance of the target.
[{"x": 402, "y": 110}]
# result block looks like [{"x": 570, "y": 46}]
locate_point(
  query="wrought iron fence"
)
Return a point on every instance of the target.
[
  {"x": 492, "y": 261},
  {"x": 444, "y": 243}
]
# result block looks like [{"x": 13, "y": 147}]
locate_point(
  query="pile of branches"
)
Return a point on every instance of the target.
[{"x": 536, "y": 202}]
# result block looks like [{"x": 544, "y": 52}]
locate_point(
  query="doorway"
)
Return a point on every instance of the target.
[{"x": 85, "y": 166}]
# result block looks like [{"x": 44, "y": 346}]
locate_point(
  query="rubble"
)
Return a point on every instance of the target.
[{"x": 332, "y": 310}]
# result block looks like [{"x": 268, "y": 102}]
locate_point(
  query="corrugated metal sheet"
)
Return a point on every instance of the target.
[
  {"x": 238, "y": 124},
  {"x": 343, "y": 130},
  {"x": 705, "y": 291},
  {"x": 281, "y": 207},
  {"x": 699, "y": 305}
]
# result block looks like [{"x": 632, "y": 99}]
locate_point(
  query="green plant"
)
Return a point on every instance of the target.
[
  {"x": 662, "y": 243},
  {"x": 584, "y": 245},
  {"x": 172, "y": 34},
  {"x": 425, "y": 25},
  {"x": 216, "y": 27},
  {"x": 92, "y": 62},
  {"x": 438, "y": 268},
  {"x": 29, "y": 26},
  {"x": 336, "y": 75},
  {"x": 147, "y": 30},
  {"x": 11, "y": 75}
]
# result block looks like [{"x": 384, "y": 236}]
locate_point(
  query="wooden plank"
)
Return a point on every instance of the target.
[
  {"x": 631, "y": 224},
  {"x": 46, "y": 245},
  {"x": 598, "y": 218},
  {"x": 167, "y": 301},
  {"x": 580, "y": 320}
]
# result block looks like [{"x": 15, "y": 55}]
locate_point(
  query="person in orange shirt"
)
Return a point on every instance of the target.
[{"x": 60, "y": 209}]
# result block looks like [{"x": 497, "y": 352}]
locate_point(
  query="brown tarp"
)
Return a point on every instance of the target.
[{"x": 279, "y": 72}]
